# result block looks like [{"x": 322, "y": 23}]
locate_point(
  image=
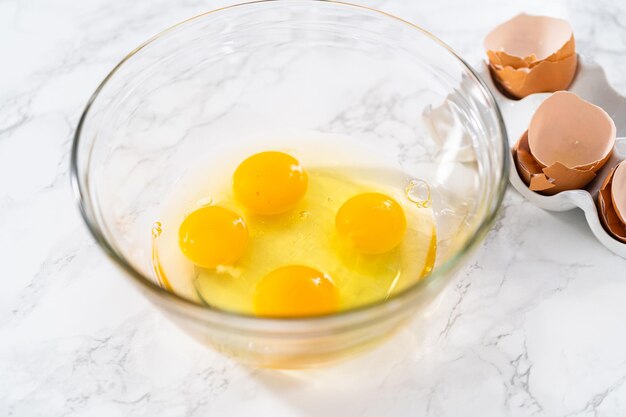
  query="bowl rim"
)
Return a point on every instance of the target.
[{"x": 394, "y": 304}]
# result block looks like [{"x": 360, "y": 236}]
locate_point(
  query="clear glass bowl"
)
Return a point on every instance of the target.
[{"x": 308, "y": 66}]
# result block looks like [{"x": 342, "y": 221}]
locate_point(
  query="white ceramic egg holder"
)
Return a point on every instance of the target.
[{"x": 591, "y": 84}]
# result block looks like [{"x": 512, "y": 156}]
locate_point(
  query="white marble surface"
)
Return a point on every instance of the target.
[{"x": 535, "y": 325}]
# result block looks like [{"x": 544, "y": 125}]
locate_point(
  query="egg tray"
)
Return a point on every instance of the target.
[{"x": 591, "y": 84}]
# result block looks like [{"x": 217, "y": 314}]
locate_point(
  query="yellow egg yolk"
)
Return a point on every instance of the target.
[
  {"x": 269, "y": 183},
  {"x": 295, "y": 291},
  {"x": 212, "y": 236},
  {"x": 373, "y": 222}
]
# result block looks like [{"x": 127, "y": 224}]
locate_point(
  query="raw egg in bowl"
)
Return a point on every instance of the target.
[{"x": 290, "y": 181}]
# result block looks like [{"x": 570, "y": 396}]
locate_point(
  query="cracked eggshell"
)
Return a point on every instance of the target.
[
  {"x": 546, "y": 76},
  {"x": 541, "y": 184},
  {"x": 565, "y": 178},
  {"x": 568, "y": 130},
  {"x": 618, "y": 191},
  {"x": 547, "y": 180},
  {"x": 525, "y": 40},
  {"x": 532, "y": 54},
  {"x": 606, "y": 210},
  {"x": 528, "y": 168}
]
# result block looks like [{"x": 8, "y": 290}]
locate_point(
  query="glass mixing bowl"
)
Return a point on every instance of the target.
[{"x": 298, "y": 66}]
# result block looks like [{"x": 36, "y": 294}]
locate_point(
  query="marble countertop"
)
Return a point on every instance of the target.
[{"x": 534, "y": 325}]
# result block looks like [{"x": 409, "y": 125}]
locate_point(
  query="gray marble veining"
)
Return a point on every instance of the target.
[{"x": 534, "y": 325}]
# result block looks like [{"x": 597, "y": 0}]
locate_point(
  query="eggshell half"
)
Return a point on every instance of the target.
[
  {"x": 526, "y": 39},
  {"x": 618, "y": 191},
  {"x": 547, "y": 180},
  {"x": 608, "y": 216},
  {"x": 532, "y": 54},
  {"x": 546, "y": 76},
  {"x": 570, "y": 131}
]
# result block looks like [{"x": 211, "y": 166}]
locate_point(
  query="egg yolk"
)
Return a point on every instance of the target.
[
  {"x": 212, "y": 236},
  {"x": 269, "y": 183},
  {"x": 374, "y": 223},
  {"x": 295, "y": 291}
]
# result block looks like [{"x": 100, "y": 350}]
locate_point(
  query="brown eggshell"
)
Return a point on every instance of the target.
[
  {"x": 547, "y": 180},
  {"x": 546, "y": 76},
  {"x": 526, "y": 165},
  {"x": 566, "y": 51},
  {"x": 541, "y": 184},
  {"x": 565, "y": 178},
  {"x": 618, "y": 191},
  {"x": 606, "y": 210},
  {"x": 525, "y": 40},
  {"x": 530, "y": 171},
  {"x": 596, "y": 167},
  {"x": 572, "y": 132},
  {"x": 502, "y": 59}
]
